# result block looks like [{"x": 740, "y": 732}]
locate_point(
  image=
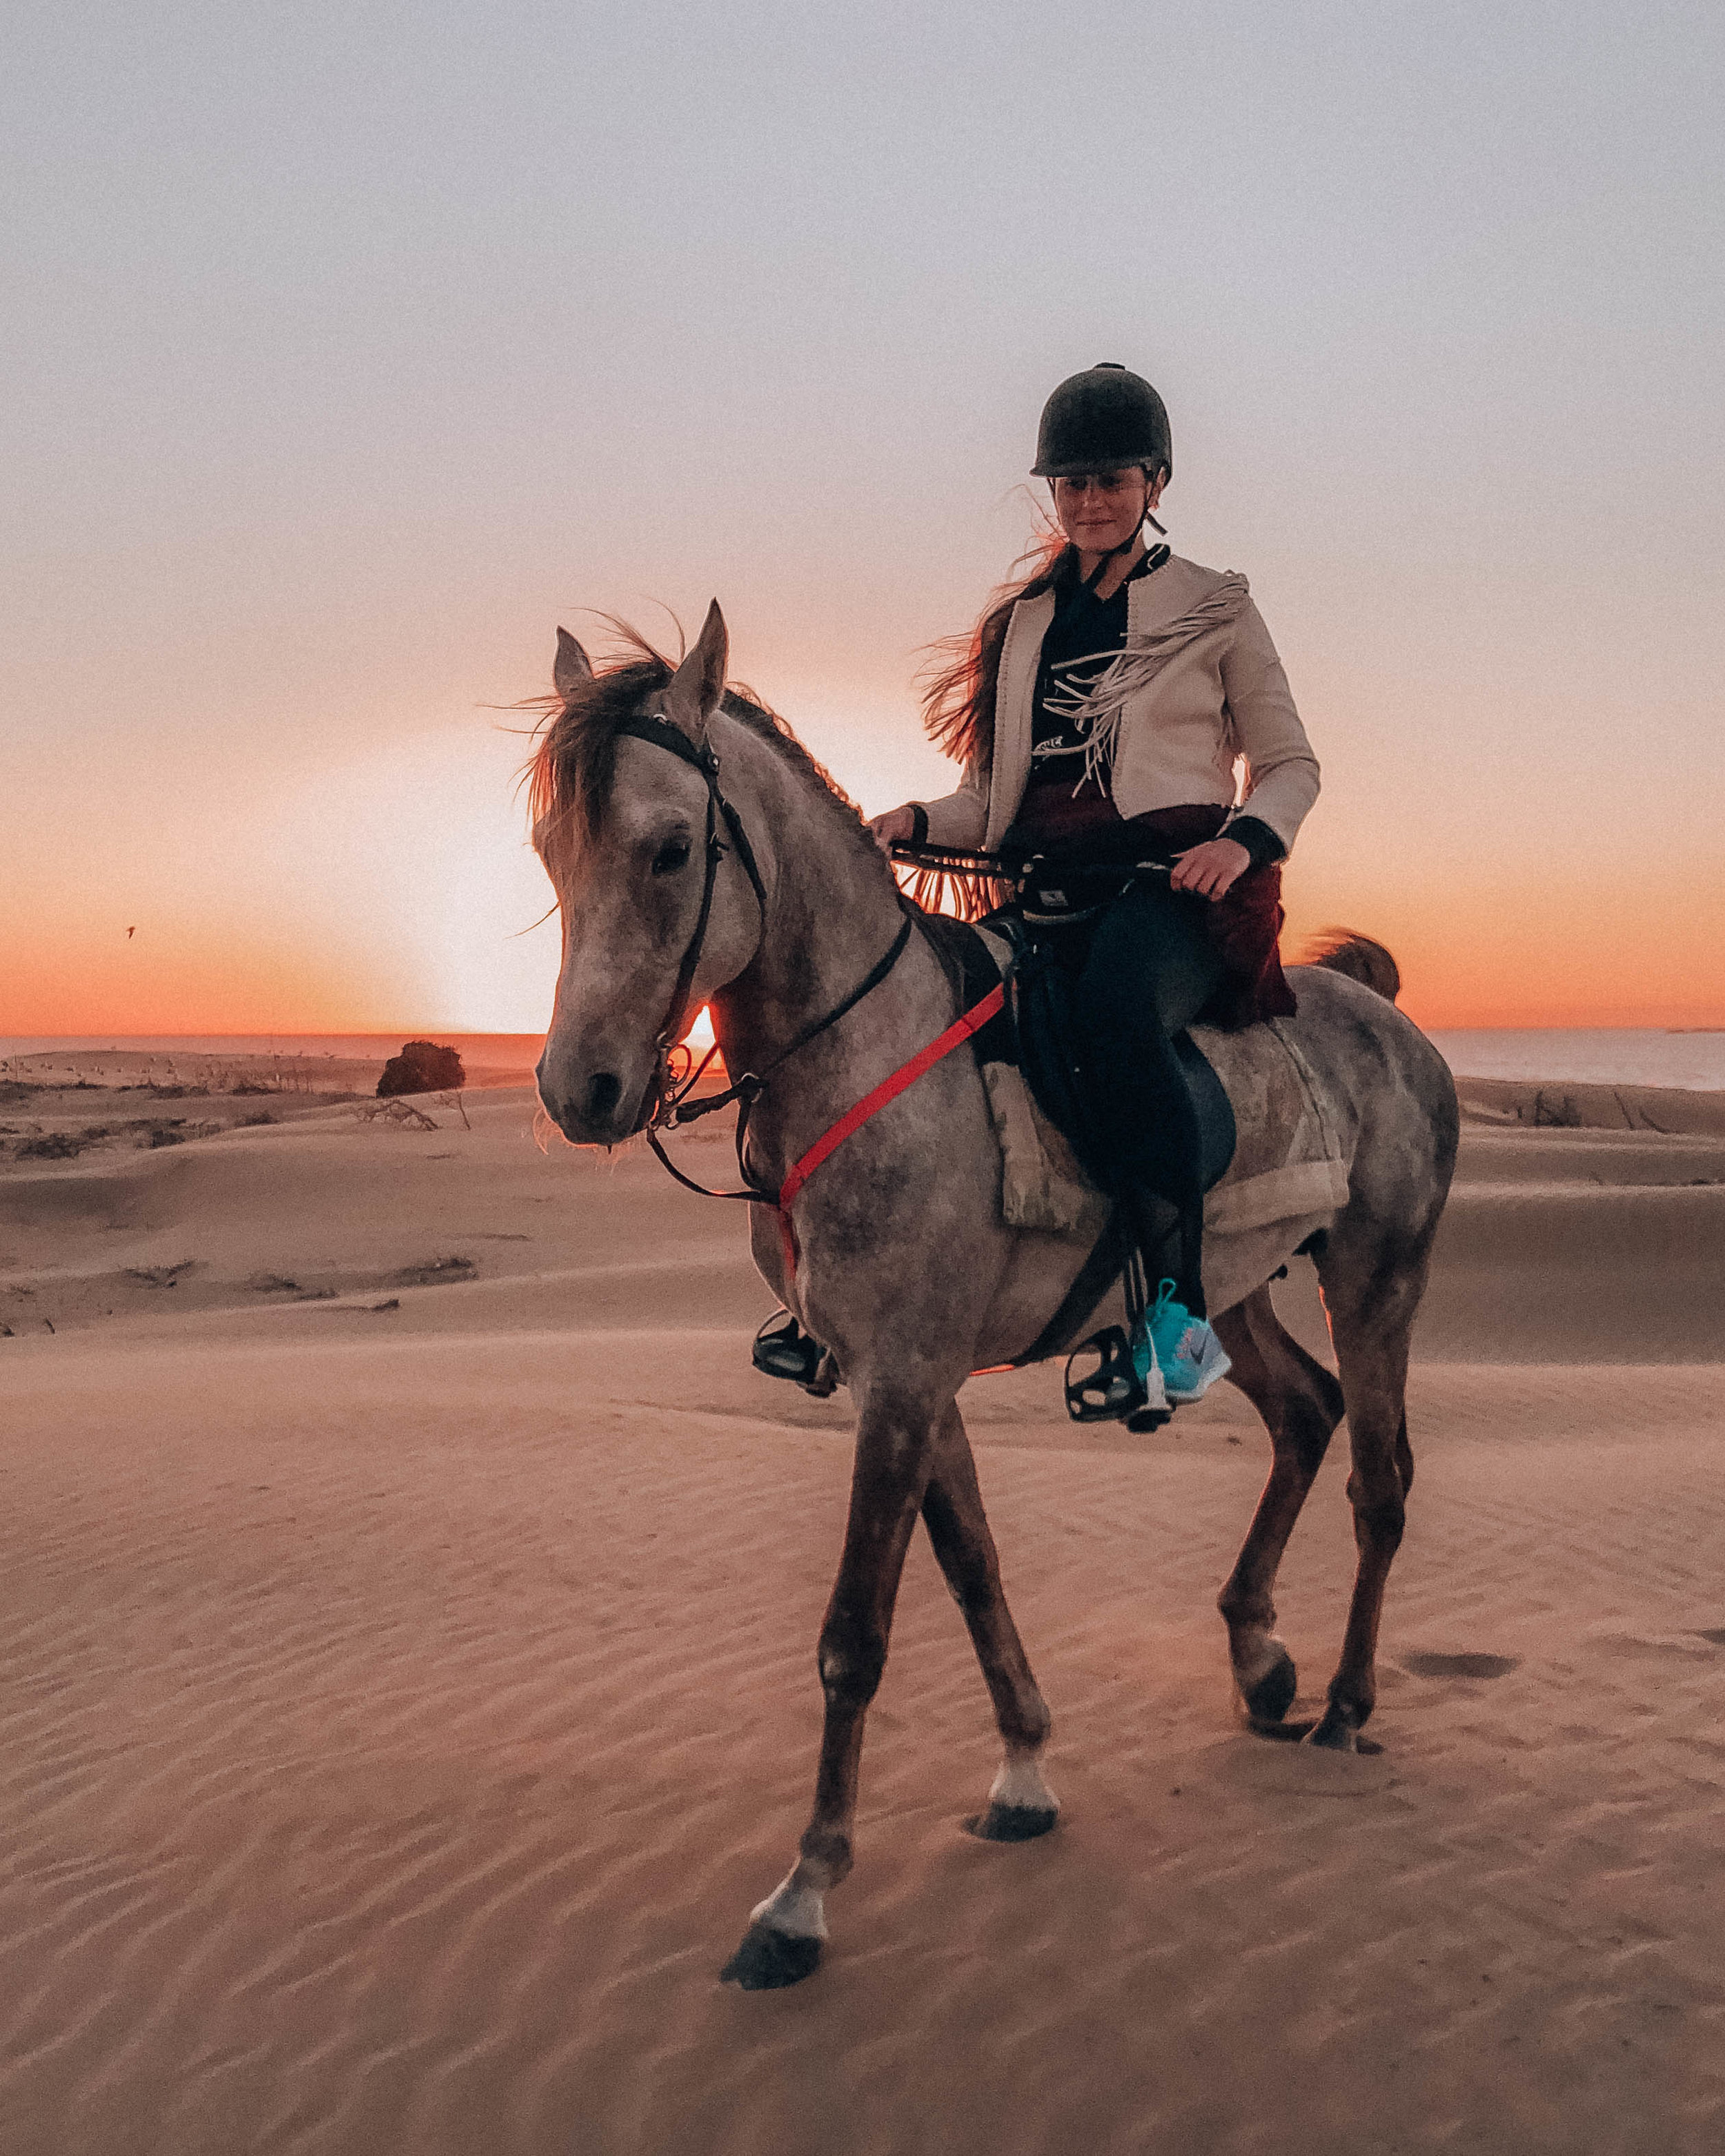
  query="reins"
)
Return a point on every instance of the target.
[
  {"x": 676, "y": 1109},
  {"x": 672, "y": 1106}
]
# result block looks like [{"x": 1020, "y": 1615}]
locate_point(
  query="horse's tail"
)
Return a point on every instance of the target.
[{"x": 1345, "y": 951}]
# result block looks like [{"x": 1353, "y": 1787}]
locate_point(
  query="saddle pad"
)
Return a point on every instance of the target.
[{"x": 1288, "y": 1162}]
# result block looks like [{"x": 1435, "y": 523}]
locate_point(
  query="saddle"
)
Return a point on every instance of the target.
[{"x": 1043, "y": 1032}]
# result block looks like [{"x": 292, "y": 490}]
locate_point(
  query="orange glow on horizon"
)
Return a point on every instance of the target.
[
  {"x": 1460, "y": 969},
  {"x": 394, "y": 891}
]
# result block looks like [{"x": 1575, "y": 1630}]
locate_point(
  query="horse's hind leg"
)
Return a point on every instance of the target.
[
  {"x": 894, "y": 1452},
  {"x": 1371, "y": 1319},
  {"x": 1021, "y": 1805},
  {"x": 1301, "y": 1404}
]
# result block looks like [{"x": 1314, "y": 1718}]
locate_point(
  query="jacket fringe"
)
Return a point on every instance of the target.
[{"x": 1101, "y": 707}]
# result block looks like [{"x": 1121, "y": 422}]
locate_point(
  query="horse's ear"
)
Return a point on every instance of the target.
[
  {"x": 573, "y": 669},
  {"x": 694, "y": 691}
]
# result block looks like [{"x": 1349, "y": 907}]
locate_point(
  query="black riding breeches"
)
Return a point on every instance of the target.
[{"x": 1149, "y": 969}]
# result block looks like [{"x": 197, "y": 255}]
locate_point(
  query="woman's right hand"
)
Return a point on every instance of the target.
[{"x": 892, "y": 823}]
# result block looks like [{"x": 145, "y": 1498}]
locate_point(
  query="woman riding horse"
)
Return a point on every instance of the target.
[
  {"x": 699, "y": 854},
  {"x": 1099, "y": 709}
]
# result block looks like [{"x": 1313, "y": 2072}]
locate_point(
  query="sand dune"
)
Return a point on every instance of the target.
[{"x": 409, "y": 1686}]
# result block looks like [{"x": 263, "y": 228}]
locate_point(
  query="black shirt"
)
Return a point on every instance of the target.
[
  {"x": 1083, "y": 626},
  {"x": 1086, "y": 628}
]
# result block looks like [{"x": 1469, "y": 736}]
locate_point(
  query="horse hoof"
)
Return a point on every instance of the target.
[
  {"x": 769, "y": 1960},
  {"x": 1335, "y": 1733},
  {"x": 1012, "y": 1822},
  {"x": 1270, "y": 1699}
]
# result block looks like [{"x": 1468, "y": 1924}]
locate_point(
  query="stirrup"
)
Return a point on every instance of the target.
[
  {"x": 1113, "y": 1390},
  {"x": 786, "y": 1350}
]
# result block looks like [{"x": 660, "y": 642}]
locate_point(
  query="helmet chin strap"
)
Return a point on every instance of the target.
[{"x": 1125, "y": 545}]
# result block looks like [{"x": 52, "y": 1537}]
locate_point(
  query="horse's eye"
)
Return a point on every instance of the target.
[{"x": 672, "y": 855}]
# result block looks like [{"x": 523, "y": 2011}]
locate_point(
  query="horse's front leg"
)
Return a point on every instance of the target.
[{"x": 893, "y": 1451}]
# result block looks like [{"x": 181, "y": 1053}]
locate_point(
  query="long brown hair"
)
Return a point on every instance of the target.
[{"x": 963, "y": 672}]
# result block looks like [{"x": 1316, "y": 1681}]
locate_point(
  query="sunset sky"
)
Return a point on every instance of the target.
[{"x": 347, "y": 349}]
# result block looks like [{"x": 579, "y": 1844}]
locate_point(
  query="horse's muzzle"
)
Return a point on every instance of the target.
[{"x": 592, "y": 1107}]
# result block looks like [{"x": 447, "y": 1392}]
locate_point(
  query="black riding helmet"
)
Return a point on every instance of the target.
[{"x": 1101, "y": 419}]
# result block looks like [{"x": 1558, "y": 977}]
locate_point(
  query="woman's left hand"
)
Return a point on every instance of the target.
[{"x": 1211, "y": 870}]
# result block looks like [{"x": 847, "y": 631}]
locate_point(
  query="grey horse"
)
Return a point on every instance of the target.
[{"x": 761, "y": 892}]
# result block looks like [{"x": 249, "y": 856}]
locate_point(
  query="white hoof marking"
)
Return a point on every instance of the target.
[
  {"x": 1257, "y": 1659},
  {"x": 1020, "y": 1786},
  {"x": 798, "y": 1912}
]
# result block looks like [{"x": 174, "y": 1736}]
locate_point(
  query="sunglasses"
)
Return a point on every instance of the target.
[{"x": 1104, "y": 482}]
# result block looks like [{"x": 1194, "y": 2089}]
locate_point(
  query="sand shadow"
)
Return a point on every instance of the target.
[{"x": 1460, "y": 1666}]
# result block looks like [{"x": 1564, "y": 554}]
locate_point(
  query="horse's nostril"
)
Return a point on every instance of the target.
[{"x": 602, "y": 1089}]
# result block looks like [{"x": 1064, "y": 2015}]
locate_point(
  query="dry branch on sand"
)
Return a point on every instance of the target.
[
  {"x": 400, "y": 1114},
  {"x": 160, "y": 1276}
]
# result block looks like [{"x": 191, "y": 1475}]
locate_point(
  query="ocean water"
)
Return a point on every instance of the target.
[
  {"x": 1605, "y": 1056},
  {"x": 1620, "y": 1055}
]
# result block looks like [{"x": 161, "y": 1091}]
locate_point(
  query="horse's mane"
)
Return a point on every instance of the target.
[{"x": 573, "y": 766}]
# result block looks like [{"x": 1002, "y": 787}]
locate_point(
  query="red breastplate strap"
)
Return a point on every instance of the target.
[{"x": 973, "y": 1020}]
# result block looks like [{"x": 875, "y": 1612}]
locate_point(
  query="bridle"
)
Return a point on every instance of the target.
[
  {"x": 668, "y": 1101},
  {"x": 654, "y": 727}
]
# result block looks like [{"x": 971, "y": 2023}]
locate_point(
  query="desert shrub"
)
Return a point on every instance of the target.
[
  {"x": 53, "y": 1145},
  {"x": 422, "y": 1067}
]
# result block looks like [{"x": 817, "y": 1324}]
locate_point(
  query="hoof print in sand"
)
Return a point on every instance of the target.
[
  {"x": 1460, "y": 1666},
  {"x": 1715, "y": 1638},
  {"x": 1012, "y": 1823},
  {"x": 769, "y": 1960}
]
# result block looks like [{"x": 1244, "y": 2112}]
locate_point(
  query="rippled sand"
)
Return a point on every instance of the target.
[{"x": 409, "y": 1687}]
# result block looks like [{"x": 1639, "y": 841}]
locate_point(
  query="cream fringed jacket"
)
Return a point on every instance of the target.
[{"x": 1198, "y": 685}]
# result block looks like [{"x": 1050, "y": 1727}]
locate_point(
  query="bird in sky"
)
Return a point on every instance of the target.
[{"x": 132, "y": 932}]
